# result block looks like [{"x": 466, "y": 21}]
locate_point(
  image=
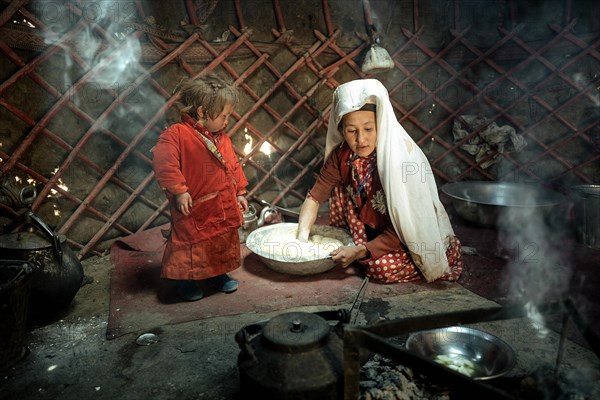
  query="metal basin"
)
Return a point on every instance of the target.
[
  {"x": 484, "y": 355},
  {"x": 482, "y": 202},
  {"x": 265, "y": 241}
]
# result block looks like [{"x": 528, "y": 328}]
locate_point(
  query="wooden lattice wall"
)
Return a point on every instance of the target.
[{"x": 87, "y": 87}]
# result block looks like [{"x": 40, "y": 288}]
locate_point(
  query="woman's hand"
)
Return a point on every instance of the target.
[
  {"x": 307, "y": 218},
  {"x": 184, "y": 203},
  {"x": 243, "y": 203},
  {"x": 346, "y": 255}
]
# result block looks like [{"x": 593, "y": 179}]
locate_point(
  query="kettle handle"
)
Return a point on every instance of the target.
[
  {"x": 248, "y": 332},
  {"x": 243, "y": 337},
  {"x": 27, "y": 196},
  {"x": 245, "y": 334},
  {"x": 58, "y": 252}
]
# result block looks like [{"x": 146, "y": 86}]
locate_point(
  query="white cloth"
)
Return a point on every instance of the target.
[{"x": 412, "y": 199}]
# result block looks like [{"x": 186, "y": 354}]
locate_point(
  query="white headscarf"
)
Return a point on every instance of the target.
[{"x": 418, "y": 216}]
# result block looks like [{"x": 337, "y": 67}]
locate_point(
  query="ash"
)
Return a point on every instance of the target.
[
  {"x": 385, "y": 379},
  {"x": 382, "y": 378}
]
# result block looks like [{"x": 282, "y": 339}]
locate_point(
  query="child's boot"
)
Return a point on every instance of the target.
[
  {"x": 223, "y": 283},
  {"x": 188, "y": 290}
]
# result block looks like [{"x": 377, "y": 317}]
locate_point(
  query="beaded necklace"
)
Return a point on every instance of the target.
[{"x": 361, "y": 184}]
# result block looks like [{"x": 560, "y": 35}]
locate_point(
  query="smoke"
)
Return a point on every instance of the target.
[
  {"x": 116, "y": 61},
  {"x": 538, "y": 272},
  {"x": 104, "y": 59}
]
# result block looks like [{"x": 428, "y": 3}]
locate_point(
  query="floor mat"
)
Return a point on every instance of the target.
[{"x": 140, "y": 300}]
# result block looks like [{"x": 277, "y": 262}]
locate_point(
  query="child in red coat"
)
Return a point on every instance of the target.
[{"x": 195, "y": 164}]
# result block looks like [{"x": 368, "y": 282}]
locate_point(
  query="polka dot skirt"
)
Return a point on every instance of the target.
[{"x": 396, "y": 266}]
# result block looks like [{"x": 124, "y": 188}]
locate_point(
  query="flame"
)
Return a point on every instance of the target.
[
  {"x": 248, "y": 146},
  {"x": 29, "y": 180},
  {"x": 24, "y": 22},
  {"x": 60, "y": 184},
  {"x": 266, "y": 148}
]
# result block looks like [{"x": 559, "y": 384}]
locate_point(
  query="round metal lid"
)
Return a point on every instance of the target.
[
  {"x": 296, "y": 331},
  {"x": 24, "y": 241}
]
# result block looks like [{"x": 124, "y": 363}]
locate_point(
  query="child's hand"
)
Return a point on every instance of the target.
[
  {"x": 184, "y": 203},
  {"x": 243, "y": 203}
]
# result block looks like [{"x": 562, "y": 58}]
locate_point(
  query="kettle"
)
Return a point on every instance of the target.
[
  {"x": 252, "y": 222},
  {"x": 293, "y": 356},
  {"x": 57, "y": 272}
]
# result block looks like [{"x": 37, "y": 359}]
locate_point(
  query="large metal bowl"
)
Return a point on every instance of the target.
[
  {"x": 294, "y": 263},
  {"x": 482, "y": 202},
  {"x": 490, "y": 356}
]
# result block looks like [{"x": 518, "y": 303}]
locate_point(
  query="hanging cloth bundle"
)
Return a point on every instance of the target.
[{"x": 377, "y": 59}]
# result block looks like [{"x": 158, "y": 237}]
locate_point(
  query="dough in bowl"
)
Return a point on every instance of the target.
[{"x": 286, "y": 247}]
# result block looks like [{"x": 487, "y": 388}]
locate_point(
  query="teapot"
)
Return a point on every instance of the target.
[
  {"x": 57, "y": 272},
  {"x": 252, "y": 222},
  {"x": 295, "y": 355}
]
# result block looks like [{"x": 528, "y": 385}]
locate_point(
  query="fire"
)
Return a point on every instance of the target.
[
  {"x": 24, "y": 22},
  {"x": 266, "y": 148},
  {"x": 60, "y": 184},
  {"x": 29, "y": 181},
  {"x": 248, "y": 146}
]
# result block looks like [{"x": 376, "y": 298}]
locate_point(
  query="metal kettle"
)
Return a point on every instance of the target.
[
  {"x": 57, "y": 272},
  {"x": 252, "y": 222},
  {"x": 293, "y": 356}
]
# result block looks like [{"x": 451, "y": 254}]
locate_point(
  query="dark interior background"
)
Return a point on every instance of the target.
[{"x": 86, "y": 87}]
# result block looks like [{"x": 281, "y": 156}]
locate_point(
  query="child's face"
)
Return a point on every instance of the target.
[
  {"x": 360, "y": 132},
  {"x": 220, "y": 122}
]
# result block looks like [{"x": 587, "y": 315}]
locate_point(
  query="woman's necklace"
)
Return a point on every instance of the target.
[
  {"x": 361, "y": 184},
  {"x": 360, "y": 188}
]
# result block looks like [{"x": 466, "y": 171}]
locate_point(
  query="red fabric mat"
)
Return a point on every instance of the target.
[{"x": 140, "y": 300}]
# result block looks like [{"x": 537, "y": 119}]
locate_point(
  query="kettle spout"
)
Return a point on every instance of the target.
[{"x": 265, "y": 213}]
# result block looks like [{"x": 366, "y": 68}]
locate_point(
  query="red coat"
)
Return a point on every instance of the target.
[{"x": 182, "y": 162}]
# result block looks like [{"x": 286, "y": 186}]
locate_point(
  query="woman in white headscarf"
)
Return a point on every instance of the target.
[{"x": 381, "y": 189}]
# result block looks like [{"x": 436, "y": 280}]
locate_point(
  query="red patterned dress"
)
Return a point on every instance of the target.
[{"x": 357, "y": 203}]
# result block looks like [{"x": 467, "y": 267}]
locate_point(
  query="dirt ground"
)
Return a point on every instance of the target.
[{"x": 71, "y": 358}]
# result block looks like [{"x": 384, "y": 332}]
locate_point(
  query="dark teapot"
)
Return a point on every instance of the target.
[
  {"x": 57, "y": 272},
  {"x": 293, "y": 356}
]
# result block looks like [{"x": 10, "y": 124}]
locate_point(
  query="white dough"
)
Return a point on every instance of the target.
[{"x": 286, "y": 247}]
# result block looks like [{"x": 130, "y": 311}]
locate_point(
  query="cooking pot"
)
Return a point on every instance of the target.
[
  {"x": 293, "y": 356},
  {"x": 57, "y": 272},
  {"x": 485, "y": 203}
]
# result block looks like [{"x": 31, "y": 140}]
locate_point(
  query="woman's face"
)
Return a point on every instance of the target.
[
  {"x": 220, "y": 122},
  {"x": 360, "y": 132}
]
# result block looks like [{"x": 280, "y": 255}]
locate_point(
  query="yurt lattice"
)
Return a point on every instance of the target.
[{"x": 88, "y": 87}]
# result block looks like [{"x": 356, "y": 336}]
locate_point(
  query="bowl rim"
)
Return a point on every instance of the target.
[
  {"x": 250, "y": 242},
  {"x": 510, "y": 354},
  {"x": 550, "y": 198}
]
